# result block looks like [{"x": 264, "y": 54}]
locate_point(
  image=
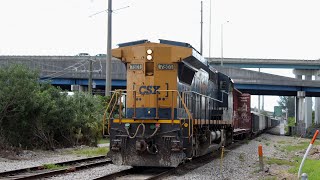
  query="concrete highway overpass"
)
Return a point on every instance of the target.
[
  {"x": 258, "y": 83},
  {"x": 266, "y": 63},
  {"x": 65, "y": 71}
]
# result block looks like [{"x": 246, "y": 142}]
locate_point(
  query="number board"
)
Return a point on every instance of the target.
[
  {"x": 165, "y": 66},
  {"x": 135, "y": 66}
]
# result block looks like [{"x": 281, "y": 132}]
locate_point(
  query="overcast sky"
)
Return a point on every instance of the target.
[{"x": 256, "y": 28}]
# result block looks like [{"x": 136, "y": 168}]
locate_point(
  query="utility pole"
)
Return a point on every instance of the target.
[
  {"x": 201, "y": 23},
  {"x": 90, "y": 77},
  {"x": 221, "y": 28},
  {"x": 210, "y": 32},
  {"x": 259, "y": 100},
  {"x": 108, "y": 60}
]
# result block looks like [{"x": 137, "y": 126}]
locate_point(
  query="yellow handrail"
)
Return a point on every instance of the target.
[
  {"x": 105, "y": 114},
  {"x": 117, "y": 91}
]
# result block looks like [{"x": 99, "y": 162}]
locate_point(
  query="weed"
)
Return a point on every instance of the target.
[
  {"x": 52, "y": 166},
  {"x": 267, "y": 144},
  {"x": 256, "y": 170},
  {"x": 291, "y": 148},
  {"x": 270, "y": 178},
  {"x": 280, "y": 162},
  {"x": 241, "y": 157},
  {"x": 103, "y": 141}
]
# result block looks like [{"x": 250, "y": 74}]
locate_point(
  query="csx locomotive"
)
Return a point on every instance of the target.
[{"x": 177, "y": 106}]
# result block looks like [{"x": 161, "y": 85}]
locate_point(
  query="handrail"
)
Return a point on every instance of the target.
[
  {"x": 120, "y": 107},
  {"x": 134, "y": 92},
  {"x": 115, "y": 94},
  {"x": 184, "y": 105},
  {"x": 105, "y": 114}
]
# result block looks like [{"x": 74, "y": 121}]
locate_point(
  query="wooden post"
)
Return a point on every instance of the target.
[{"x": 260, "y": 157}]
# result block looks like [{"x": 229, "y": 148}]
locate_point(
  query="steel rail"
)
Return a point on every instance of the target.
[
  {"x": 41, "y": 171},
  {"x": 150, "y": 173}
]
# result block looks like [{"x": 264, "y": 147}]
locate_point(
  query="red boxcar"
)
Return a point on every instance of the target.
[{"x": 242, "y": 121}]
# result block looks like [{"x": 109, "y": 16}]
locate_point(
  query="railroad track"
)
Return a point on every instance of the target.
[
  {"x": 145, "y": 173},
  {"x": 153, "y": 173},
  {"x": 56, "y": 168}
]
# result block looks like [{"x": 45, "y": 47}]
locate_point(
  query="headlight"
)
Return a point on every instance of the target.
[
  {"x": 149, "y": 51},
  {"x": 149, "y": 57}
]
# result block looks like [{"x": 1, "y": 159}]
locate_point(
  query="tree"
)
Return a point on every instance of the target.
[
  {"x": 39, "y": 115},
  {"x": 288, "y": 102},
  {"x": 17, "y": 93}
]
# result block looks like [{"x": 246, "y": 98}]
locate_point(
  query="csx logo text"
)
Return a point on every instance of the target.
[{"x": 148, "y": 89}]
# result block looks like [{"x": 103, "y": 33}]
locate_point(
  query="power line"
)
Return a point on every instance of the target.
[{"x": 72, "y": 66}]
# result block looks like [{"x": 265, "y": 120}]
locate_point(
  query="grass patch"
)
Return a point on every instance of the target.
[
  {"x": 303, "y": 145},
  {"x": 269, "y": 178},
  {"x": 53, "y": 166},
  {"x": 306, "y": 143},
  {"x": 294, "y": 147},
  {"x": 280, "y": 162},
  {"x": 281, "y": 142},
  {"x": 91, "y": 151},
  {"x": 104, "y": 141},
  {"x": 311, "y": 167}
]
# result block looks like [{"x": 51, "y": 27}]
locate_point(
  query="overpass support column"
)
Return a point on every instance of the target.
[
  {"x": 308, "y": 106},
  {"x": 317, "y": 105},
  {"x": 77, "y": 88},
  {"x": 300, "y": 121},
  {"x": 297, "y": 102}
]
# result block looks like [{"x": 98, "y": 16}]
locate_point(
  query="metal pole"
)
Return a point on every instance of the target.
[
  {"x": 262, "y": 106},
  {"x": 201, "y": 23},
  {"x": 108, "y": 60},
  {"x": 221, "y": 44},
  {"x": 210, "y": 32},
  {"x": 90, "y": 77},
  {"x": 259, "y": 100}
]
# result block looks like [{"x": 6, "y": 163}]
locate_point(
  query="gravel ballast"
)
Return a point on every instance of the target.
[{"x": 240, "y": 163}]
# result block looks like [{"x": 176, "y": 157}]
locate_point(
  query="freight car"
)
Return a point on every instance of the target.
[
  {"x": 247, "y": 123},
  {"x": 177, "y": 107},
  {"x": 260, "y": 123}
]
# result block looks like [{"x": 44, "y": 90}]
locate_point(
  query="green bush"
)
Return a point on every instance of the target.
[
  {"x": 291, "y": 121},
  {"x": 38, "y": 115}
]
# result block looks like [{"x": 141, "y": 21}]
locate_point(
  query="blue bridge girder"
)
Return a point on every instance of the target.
[
  {"x": 84, "y": 82},
  {"x": 73, "y": 70}
]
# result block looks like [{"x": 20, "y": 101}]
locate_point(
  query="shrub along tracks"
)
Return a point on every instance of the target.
[{"x": 55, "y": 169}]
